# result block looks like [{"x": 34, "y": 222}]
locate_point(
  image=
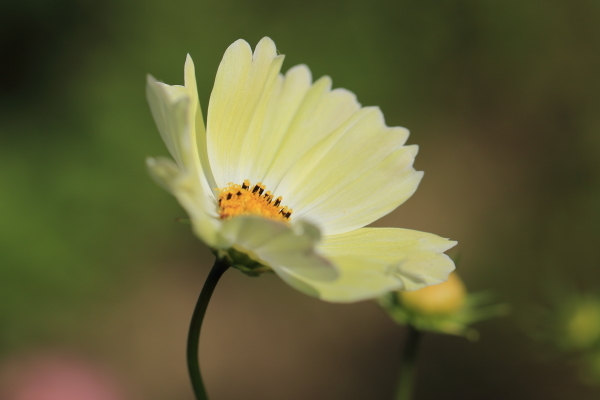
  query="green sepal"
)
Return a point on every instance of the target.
[{"x": 241, "y": 261}]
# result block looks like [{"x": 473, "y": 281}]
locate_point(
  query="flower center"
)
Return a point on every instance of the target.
[{"x": 246, "y": 199}]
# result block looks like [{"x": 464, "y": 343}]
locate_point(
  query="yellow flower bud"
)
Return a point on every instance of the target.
[
  {"x": 583, "y": 326},
  {"x": 441, "y": 299}
]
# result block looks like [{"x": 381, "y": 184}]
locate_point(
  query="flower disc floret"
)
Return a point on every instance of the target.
[{"x": 248, "y": 199}]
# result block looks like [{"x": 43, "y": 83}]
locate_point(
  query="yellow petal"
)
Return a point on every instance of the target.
[
  {"x": 375, "y": 261},
  {"x": 354, "y": 176},
  {"x": 359, "y": 279},
  {"x": 279, "y": 245},
  {"x": 164, "y": 171},
  {"x": 288, "y": 95},
  {"x": 186, "y": 189},
  {"x": 238, "y": 104},
  {"x": 416, "y": 259},
  {"x": 170, "y": 108},
  {"x": 175, "y": 110},
  {"x": 333, "y": 163},
  {"x": 320, "y": 113},
  {"x": 196, "y": 126}
]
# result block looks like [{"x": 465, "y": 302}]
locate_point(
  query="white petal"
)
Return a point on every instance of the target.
[
  {"x": 197, "y": 129},
  {"x": 333, "y": 164},
  {"x": 279, "y": 245},
  {"x": 288, "y": 95},
  {"x": 238, "y": 105},
  {"x": 320, "y": 112},
  {"x": 170, "y": 108},
  {"x": 177, "y": 114},
  {"x": 374, "y": 261},
  {"x": 164, "y": 171},
  {"x": 185, "y": 188},
  {"x": 415, "y": 258},
  {"x": 357, "y": 174},
  {"x": 360, "y": 279}
]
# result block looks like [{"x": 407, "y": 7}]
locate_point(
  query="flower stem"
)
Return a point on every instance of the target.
[
  {"x": 193, "y": 341},
  {"x": 408, "y": 368}
]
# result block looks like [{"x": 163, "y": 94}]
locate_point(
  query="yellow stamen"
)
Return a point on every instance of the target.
[{"x": 246, "y": 199}]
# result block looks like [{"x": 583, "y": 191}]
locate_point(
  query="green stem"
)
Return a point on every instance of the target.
[
  {"x": 406, "y": 380},
  {"x": 193, "y": 361}
]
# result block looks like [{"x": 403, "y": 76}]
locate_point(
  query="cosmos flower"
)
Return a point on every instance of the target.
[{"x": 286, "y": 174}]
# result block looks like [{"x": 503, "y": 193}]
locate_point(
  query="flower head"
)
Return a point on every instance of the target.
[{"x": 286, "y": 174}]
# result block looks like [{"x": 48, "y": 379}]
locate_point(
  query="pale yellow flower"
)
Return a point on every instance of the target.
[{"x": 286, "y": 175}]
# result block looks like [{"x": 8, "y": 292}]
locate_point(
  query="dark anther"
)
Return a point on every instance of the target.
[
  {"x": 256, "y": 188},
  {"x": 244, "y": 186},
  {"x": 239, "y": 193},
  {"x": 287, "y": 214},
  {"x": 260, "y": 191},
  {"x": 229, "y": 196},
  {"x": 277, "y": 202}
]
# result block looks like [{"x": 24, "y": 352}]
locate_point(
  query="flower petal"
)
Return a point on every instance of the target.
[
  {"x": 279, "y": 245},
  {"x": 288, "y": 96},
  {"x": 354, "y": 176},
  {"x": 360, "y": 278},
  {"x": 333, "y": 163},
  {"x": 177, "y": 114},
  {"x": 415, "y": 258},
  {"x": 238, "y": 105},
  {"x": 320, "y": 112},
  {"x": 175, "y": 110},
  {"x": 374, "y": 261},
  {"x": 185, "y": 188},
  {"x": 197, "y": 128},
  {"x": 170, "y": 108}
]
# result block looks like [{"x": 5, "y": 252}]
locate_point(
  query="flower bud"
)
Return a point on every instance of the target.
[
  {"x": 442, "y": 299},
  {"x": 583, "y": 325}
]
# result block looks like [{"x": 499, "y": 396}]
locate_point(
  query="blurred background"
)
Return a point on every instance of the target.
[{"x": 98, "y": 281}]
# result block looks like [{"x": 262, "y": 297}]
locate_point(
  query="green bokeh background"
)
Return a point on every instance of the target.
[{"x": 503, "y": 98}]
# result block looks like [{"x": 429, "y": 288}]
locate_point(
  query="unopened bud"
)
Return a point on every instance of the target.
[
  {"x": 583, "y": 326},
  {"x": 442, "y": 299}
]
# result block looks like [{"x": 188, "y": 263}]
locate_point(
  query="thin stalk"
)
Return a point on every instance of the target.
[
  {"x": 196, "y": 325},
  {"x": 408, "y": 368}
]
